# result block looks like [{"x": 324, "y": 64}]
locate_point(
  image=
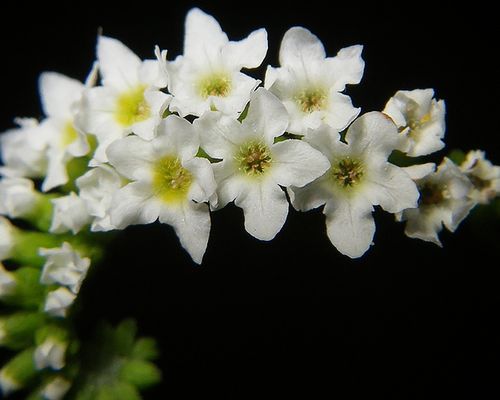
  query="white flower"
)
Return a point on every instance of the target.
[
  {"x": 309, "y": 83},
  {"x": 359, "y": 178},
  {"x": 167, "y": 182},
  {"x": 443, "y": 200},
  {"x": 7, "y": 240},
  {"x": 50, "y": 354},
  {"x": 58, "y": 301},
  {"x": 129, "y": 100},
  {"x": 69, "y": 214},
  {"x": 97, "y": 187},
  {"x": 64, "y": 266},
  {"x": 60, "y": 97},
  {"x": 7, "y": 282},
  {"x": 208, "y": 75},
  {"x": 56, "y": 388},
  {"x": 18, "y": 197},
  {"x": 420, "y": 119},
  {"x": 484, "y": 176},
  {"x": 253, "y": 166},
  {"x": 24, "y": 150}
]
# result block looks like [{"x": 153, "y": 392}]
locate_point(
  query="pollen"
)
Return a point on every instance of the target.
[
  {"x": 347, "y": 173},
  {"x": 218, "y": 85},
  {"x": 171, "y": 181},
  {"x": 132, "y": 107},
  {"x": 310, "y": 100},
  {"x": 253, "y": 158}
]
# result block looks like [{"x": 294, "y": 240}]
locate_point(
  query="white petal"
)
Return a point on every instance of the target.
[
  {"x": 247, "y": 53},
  {"x": 350, "y": 225},
  {"x": 58, "y": 93},
  {"x": 299, "y": 47},
  {"x": 265, "y": 207},
  {"x": 420, "y": 171},
  {"x": 272, "y": 74},
  {"x": 118, "y": 64},
  {"x": 191, "y": 222},
  {"x": 340, "y": 112},
  {"x": 134, "y": 204},
  {"x": 373, "y": 134},
  {"x": 56, "y": 171},
  {"x": 310, "y": 196},
  {"x": 297, "y": 163},
  {"x": 17, "y": 197},
  {"x": 425, "y": 225},
  {"x": 58, "y": 301},
  {"x": 234, "y": 103},
  {"x": 267, "y": 116},
  {"x": 176, "y": 136},
  {"x": 152, "y": 73},
  {"x": 219, "y": 135},
  {"x": 203, "y": 188},
  {"x": 346, "y": 67},
  {"x": 132, "y": 157},
  {"x": 391, "y": 188},
  {"x": 69, "y": 214},
  {"x": 203, "y": 36},
  {"x": 459, "y": 210},
  {"x": 229, "y": 184}
]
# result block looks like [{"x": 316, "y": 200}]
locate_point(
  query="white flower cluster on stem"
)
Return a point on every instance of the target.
[{"x": 171, "y": 141}]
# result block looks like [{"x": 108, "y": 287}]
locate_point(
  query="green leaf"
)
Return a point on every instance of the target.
[{"x": 139, "y": 373}]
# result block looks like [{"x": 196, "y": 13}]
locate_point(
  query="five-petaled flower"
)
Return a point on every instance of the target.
[
  {"x": 208, "y": 75},
  {"x": 359, "y": 178},
  {"x": 309, "y": 83},
  {"x": 167, "y": 182},
  {"x": 254, "y": 166}
]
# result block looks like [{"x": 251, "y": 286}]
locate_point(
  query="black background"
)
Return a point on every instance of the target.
[{"x": 293, "y": 316}]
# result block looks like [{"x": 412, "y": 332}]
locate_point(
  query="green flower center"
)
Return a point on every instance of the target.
[
  {"x": 347, "y": 172},
  {"x": 310, "y": 100},
  {"x": 132, "y": 107},
  {"x": 253, "y": 158},
  {"x": 218, "y": 85},
  {"x": 430, "y": 194},
  {"x": 171, "y": 181}
]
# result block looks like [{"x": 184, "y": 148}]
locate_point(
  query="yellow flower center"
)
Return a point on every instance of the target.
[
  {"x": 171, "y": 181},
  {"x": 310, "y": 100},
  {"x": 347, "y": 173},
  {"x": 253, "y": 158},
  {"x": 69, "y": 134},
  {"x": 132, "y": 107},
  {"x": 218, "y": 85}
]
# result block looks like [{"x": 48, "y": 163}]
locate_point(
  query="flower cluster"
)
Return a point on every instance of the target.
[{"x": 172, "y": 141}]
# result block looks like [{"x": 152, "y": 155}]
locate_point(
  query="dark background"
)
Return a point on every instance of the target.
[{"x": 293, "y": 316}]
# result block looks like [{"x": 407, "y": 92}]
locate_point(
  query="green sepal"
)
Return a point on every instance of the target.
[
  {"x": 28, "y": 243},
  {"x": 145, "y": 349},
  {"x": 28, "y": 293},
  {"x": 21, "y": 368},
  {"x": 18, "y": 329},
  {"x": 118, "y": 390}
]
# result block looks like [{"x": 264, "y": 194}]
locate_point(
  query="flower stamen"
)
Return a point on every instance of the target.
[
  {"x": 253, "y": 158},
  {"x": 171, "y": 181}
]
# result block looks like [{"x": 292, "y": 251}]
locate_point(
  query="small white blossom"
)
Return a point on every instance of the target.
[
  {"x": 444, "y": 200},
  {"x": 61, "y": 97},
  {"x": 56, "y": 389},
  {"x": 69, "y": 214},
  {"x": 420, "y": 119},
  {"x": 484, "y": 176},
  {"x": 7, "y": 240},
  {"x": 7, "y": 282},
  {"x": 130, "y": 99},
  {"x": 58, "y": 301},
  {"x": 359, "y": 178},
  {"x": 208, "y": 75},
  {"x": 23, "y": 150},
  {"x": 50, "y": 354},
  {"x": 309, "y": 83},
  {"x": 64, "y": 266},
  {"x": 167, "y": 182},
  {"x": 253, "y": 166},
  {"x": 97, "y": 187},
  {"x": 18, "y": 197}
]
